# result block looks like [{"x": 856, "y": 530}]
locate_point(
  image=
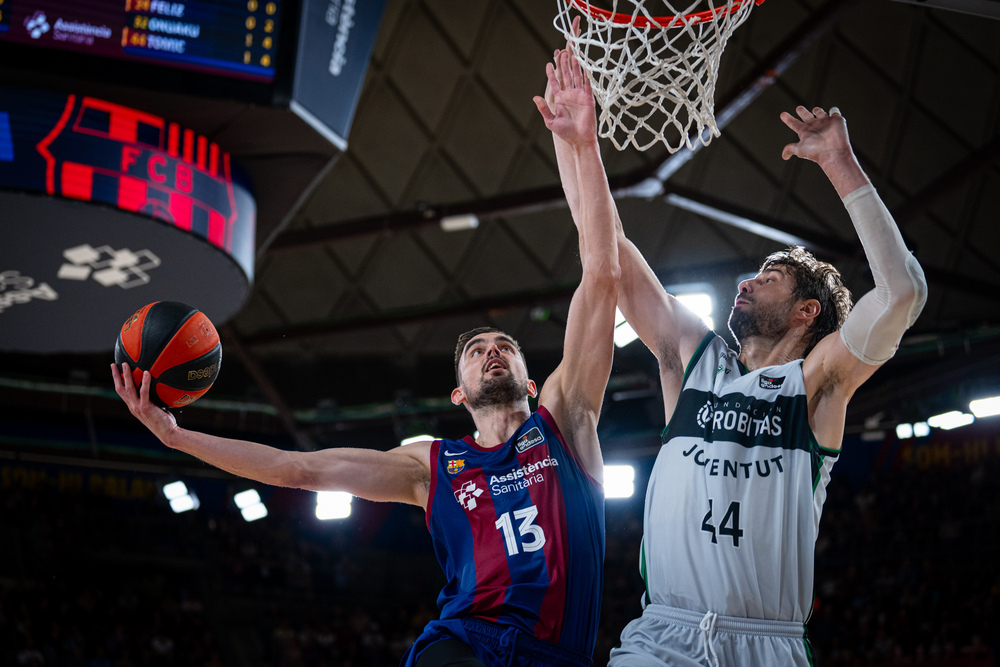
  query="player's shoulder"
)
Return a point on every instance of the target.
[
  {"x": 712, "y": 352},
  {"x": 419, "y": 450},
  {"x": 710, "y": 345}
]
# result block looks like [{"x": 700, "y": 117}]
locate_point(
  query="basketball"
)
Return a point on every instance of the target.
[{"x": 177, "y": 344}]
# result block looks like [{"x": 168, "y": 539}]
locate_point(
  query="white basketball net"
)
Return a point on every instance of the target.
[{"x": 654, "y": 78}]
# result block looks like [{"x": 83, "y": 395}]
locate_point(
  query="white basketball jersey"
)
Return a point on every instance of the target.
[{"x": 735, "y": 497}]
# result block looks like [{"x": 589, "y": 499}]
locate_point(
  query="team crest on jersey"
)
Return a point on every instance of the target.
[
  {"x": 467, "y": 494},
  {"x": 770, "y": 383},
  {"x": 704, "y": 417},
  {"x": 529, "y": 440},
  {"x": 456, "y": 466}
]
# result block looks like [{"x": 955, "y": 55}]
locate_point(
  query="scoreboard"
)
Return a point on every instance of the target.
[
  {"x": 306, "y": 56},
  {"x": 231, "y": 38},
  {"x": 123, "y": 124}
]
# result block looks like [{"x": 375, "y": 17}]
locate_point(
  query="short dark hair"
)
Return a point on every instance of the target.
[
  {"x": 818, "y": 280},
  {"x": 464, "y": 339}
]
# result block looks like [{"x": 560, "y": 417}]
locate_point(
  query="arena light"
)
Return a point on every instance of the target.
[
  {"x": 950, "y": 420},
  {"x": 250, "y": 504},
  {"x": 904, "y": 431},
  {"x": 701, "y": 304},
  {"x": 175, "y": 490},
  {"x": 254, "y": 512},
  {"x": 415, "y": 439},
  {"x": 985, "y": 407},
  {"x": 333, "y": 505},
  {"x": 457, "y": 223},
  {"x": 188, "y": 501},
  {"x": 619, "y": 481},
  {"x": 921, "y": 429},
  {"x": 624, "y": 334},
  {"x": 245, "y": 499},
  {"x": 181, "y": 500}
]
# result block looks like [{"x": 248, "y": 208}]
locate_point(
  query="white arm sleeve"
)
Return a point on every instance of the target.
[{"x": 876, "y": 324}]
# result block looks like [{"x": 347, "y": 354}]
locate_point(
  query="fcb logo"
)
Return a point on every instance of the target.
[{"x": 456, "y": 466}]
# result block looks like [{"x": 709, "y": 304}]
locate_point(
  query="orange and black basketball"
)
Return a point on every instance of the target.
[{"x": 177, "y": 344}]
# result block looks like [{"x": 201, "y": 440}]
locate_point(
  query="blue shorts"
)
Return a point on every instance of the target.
[{"x": 496, "y": 645}]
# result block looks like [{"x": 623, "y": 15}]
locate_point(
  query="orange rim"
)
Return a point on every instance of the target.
[{"x": 658, "y": 21}]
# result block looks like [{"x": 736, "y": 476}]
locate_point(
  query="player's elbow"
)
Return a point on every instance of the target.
[
  {"x": 602, "y": 277},
  {"x": 295, "y": 472},
  {"x": 909, "y": 297}
]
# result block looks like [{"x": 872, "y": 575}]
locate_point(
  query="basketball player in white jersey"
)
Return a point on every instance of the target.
[{"x": 735, "y": 496}]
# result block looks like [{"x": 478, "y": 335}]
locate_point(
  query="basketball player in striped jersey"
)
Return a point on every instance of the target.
[
  {"x": 516, "y": 515},
  {"x": 736, "y": 493}
]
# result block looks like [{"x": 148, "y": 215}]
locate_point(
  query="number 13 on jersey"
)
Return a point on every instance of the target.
[{"x": 532, "y": 536}]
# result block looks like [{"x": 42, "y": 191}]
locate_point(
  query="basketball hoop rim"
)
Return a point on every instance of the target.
[{"x": 658, "y": 21}]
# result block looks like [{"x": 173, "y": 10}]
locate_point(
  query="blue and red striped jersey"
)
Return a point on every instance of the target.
[{"x": 519, "y": 532}]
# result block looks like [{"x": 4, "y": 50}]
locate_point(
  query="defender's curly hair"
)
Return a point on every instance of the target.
[{"x": 818, "y": 280}]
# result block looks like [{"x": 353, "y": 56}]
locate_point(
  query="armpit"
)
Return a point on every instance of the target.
[{"x": 669, "y": 358}]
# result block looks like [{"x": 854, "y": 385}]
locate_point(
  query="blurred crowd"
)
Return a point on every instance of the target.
[{"x": 906, "y": 573}]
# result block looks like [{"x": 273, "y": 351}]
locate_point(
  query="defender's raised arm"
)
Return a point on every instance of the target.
[
  {"x": 575, "y": 391},
  {"x": 841, "y": 363},
  {"x": 876, "y": 324}
]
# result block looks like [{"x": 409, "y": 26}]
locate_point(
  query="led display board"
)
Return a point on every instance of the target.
[
  {"x": 107, "y": 208},
  {"x": 233, "y": 38}
]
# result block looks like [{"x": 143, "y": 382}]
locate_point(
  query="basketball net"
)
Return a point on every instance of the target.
[{"x": 653, "y": 76}]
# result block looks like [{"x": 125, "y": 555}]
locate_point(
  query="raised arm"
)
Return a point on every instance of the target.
[
  {"x": 400, "y": 475},
  {"x": 841, "y": 362},
  {"x": 575, "y": 390},
  {"x": 671, "y": 331}
]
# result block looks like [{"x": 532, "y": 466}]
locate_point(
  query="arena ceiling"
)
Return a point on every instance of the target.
[{"x": 348, "y": 333}]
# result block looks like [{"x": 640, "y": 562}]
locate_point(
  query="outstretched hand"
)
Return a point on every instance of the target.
[
  {"x": 822, "y": 135},
  {"x": 568, "y": 105},
  {"x": 155, "y": 418}
]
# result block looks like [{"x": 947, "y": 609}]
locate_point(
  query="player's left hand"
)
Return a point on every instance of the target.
[{"x": 822, "y": 135}]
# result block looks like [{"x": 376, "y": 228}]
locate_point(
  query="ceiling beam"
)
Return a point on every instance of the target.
[
  {"x": 781, "y": 231},
  {"x": 988, "y": 8},
  {"x": 948, "y": 182},
  {"x": 425, "y": 215},
  {"x": 643, "y": 182},
  {"x": 401, "y": 316},
  {"x": 759, "y": 79}
]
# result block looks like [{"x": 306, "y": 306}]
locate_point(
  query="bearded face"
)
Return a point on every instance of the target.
[
  {"x": 496, "y": 391},
  {"x": 492, "y": 374},
  {"x": 757, "y": 318}
]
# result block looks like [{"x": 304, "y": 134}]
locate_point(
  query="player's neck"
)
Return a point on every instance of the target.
[
  {"x": 497, "y": 423},
  {"x": 759, "y": 351}
]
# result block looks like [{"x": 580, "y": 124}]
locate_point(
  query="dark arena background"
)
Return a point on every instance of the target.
[{"x": 344, "y": 186}]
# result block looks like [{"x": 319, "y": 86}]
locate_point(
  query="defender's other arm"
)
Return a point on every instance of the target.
[
  {"x": 400, "y": 475},
  {"x": 575, "y": 390},
  {"x": 840, "y": 363}
]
